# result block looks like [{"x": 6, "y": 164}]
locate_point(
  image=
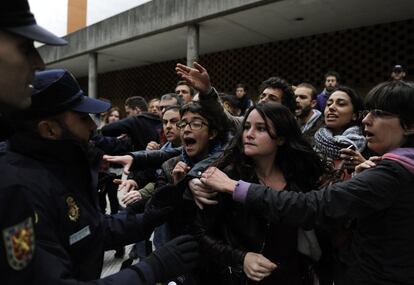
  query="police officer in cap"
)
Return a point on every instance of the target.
[
  {"x": 18, "y": 62},
  {"x": 50, "y": 150}
]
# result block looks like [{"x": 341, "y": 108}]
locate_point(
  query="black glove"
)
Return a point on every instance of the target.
[
  {"x": 160, "y": 207},
  {"x": 176, "y": 257}
]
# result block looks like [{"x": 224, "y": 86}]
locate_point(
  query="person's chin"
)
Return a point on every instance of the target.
[{"x": 249, "y": 151}]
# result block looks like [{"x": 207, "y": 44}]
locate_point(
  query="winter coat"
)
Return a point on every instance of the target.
[
  {"x": 141, "y": 129},
  {"x": 380, "y": 200},
  {"x": 60, "y": 178}
]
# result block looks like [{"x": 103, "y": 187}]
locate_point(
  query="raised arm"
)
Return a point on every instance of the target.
[{"x": 197, "y": 76}]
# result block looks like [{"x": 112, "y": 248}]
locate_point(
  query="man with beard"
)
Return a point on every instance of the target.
[
  {"x": 53, "y": 160},
  {"x": 309, "y": 119},
  {"x": 331, "y": 81}
]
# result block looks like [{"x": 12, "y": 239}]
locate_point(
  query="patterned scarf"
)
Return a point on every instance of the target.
[{"x": 330, "y": 145}]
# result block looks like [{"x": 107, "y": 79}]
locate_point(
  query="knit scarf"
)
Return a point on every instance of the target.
[{"x": 330, "y": 145}]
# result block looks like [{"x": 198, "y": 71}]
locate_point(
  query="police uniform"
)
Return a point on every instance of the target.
[
  {"x": 60, "y": 179},
  {"x": 71, "y": 232},
  {"x": 17, "y": 218},
  {"x": 17, "y": 235}
]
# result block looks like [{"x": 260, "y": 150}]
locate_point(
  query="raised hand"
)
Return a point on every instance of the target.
[
  {"x": 179, "y": 172},
  {"x": 125, "y": 160},
  {"x": 197, "y": 76}
]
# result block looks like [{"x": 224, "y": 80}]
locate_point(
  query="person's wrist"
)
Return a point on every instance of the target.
[
  {"x": 146, "y": 271},
  {"x": 231, "y": 186},
  {"x": 209, "y": 89}
]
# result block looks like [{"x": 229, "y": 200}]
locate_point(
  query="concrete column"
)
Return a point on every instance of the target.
[
  {"x": 193, "y": 40},
  {"x": 93, "y": 75}
]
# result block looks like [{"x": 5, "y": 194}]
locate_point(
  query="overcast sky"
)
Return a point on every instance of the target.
[{"x": 52, "y": 14}]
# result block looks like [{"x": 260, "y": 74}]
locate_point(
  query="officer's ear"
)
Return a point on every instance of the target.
[{"x": 49, "y": 129}]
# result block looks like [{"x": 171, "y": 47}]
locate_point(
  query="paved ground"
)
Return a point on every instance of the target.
[{"x": 113, "y": 265}]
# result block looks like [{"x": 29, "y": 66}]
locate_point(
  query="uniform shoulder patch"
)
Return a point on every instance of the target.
[
  {"x": 19, "y": 241},
  {"x": 73, "y": 209}
]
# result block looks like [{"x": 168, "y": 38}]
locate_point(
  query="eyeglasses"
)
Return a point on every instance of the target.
[
  {"x": 194, "y": 125},
  {"x": 377, "y": 113}
]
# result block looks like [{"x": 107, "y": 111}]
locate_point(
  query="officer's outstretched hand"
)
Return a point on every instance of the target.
[{"x": 176, "y": 257}]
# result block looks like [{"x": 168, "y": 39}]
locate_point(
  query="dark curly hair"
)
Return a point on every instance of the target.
[
  {"x": 288, "y": 98},
  {"x": 297, "y": 160},
  {"x": 356, "y": 100}
]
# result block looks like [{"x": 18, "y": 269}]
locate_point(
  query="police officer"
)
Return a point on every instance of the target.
[
  {"x": 18, "y": 62},
  {"x": 51, "y": 155}
]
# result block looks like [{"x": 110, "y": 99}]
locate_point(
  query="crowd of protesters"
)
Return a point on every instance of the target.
[
  {"x": 313, "y": 212},
  {"x": 296, "y": 188}
]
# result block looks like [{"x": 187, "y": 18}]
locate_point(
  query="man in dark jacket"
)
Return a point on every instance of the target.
[
  {"x": 50, "y": 157},
  {"x": 142, "y": 128},
  {"x": 331, "y": 82}
]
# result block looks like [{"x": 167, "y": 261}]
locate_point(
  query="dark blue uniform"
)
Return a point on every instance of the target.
[
  {"x": 71, "y": 233},
  {"x": 16, "y": 226}
]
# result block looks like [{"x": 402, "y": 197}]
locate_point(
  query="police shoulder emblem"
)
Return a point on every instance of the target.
[
  {"x": 19, "y": 242},
  {"x": 73, "y": 209}
]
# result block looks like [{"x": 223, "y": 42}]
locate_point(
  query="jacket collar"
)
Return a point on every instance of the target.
[{"x": 66, "y": 152}]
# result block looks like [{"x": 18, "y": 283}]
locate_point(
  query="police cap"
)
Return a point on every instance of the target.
[
  {"x": 16, "y": 18},
  {"x": 56, "y": 91}
]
